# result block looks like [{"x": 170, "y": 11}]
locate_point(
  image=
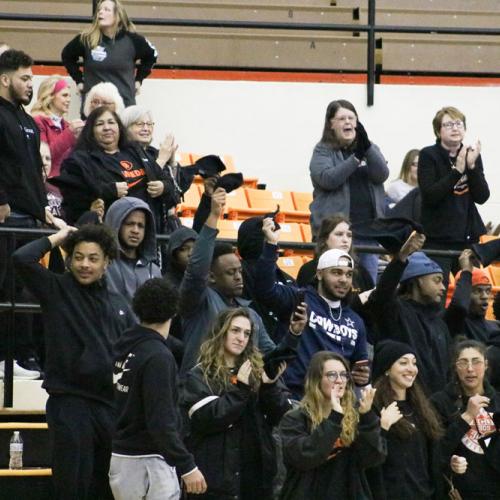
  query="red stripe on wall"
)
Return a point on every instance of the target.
[{"x": 277, "y": 76}]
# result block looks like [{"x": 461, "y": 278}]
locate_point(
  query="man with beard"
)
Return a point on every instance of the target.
[
  {"x": 23, "y": 202},
  {"x": 332, "y": 325},
  {"x": 407, "y": 308}
]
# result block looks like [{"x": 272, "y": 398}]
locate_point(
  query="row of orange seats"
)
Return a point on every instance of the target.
[{"x": 248, "y": 202}]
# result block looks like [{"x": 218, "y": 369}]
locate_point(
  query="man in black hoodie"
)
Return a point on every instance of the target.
[
  {"x": 147, "y": 445},
  {"x": 82, "y": 319},
  {"x": 23, "y": 201}
]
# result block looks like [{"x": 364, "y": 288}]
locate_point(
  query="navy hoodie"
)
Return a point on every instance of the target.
[
  {"x": 341, "y": 331},
  {"x": 145, "y": 380}
]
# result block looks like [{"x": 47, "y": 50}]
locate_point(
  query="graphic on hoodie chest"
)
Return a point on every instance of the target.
[
  {"x": 119, "y": 370},
  {"x": 339, "y": 331}
]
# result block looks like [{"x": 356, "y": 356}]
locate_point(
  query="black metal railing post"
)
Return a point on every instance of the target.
[{"x": 370, "y": 54}]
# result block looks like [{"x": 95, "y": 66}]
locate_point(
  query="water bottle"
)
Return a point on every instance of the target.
[{"x": 16, "y": 451}]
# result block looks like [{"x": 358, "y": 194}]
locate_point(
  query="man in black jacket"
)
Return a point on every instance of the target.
[
  {"x": 23, "y": 201},
  {"x": 82, "y": 319},
  {"x": 147, "y": 444},
  {"x": 412, "y": 312}
]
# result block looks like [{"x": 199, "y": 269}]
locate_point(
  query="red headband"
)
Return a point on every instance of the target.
[{"x": 60, "y": 85}]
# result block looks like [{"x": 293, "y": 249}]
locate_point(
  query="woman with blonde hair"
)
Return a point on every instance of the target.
[
  {"x": 109, "y": 49},
  {"x": 52, "y": 105},
  {"x": 232, "y": 404},
  {"x": 329, "y": 441},
  {"x": 407, "y": 179}
]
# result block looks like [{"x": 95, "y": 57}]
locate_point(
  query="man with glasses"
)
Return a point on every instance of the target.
[{"x": 451, "y": 181}]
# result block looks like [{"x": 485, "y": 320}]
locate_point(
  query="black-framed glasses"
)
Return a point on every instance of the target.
[{"x": 334, "y": 376}]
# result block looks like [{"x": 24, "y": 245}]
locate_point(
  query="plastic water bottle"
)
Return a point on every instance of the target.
[{"x": 16, "y": 451}]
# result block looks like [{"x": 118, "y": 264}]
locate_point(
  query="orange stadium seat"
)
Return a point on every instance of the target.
[
  {"x": 290, "y": 265},
  {"x": 291, "y": 232},
  {"x": 487, "y": 237},
  {"x": 191, "y": 201},
  {"x": 228, "y": 228},
  {"x": 184, "y": 158},
  {"x": 495, "y": 275},
  {"x": 262, "y": 201},
  {"x": 236, "y": 204},
  {"x": 302, "y": 201},
  {"x": 306, "y": 233}
]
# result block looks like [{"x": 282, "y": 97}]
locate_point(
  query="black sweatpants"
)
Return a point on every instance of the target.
[{"x": 81, "y": 431}]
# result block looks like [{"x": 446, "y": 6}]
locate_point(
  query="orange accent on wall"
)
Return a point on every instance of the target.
[{"x": 277, "y": 76}]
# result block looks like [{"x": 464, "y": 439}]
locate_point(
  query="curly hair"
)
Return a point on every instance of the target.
[
  {"x": 313, "y": 400},
  {"x": 12, "y": 60},
  {"x": 155, "y": 301},
  {"x": 102, "y": 235},
  {"x": 211, "y": 358},
  {"x": 427, "y": 417}
]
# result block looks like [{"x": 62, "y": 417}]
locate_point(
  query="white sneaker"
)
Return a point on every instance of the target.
[{"x": 19, "y": 372}]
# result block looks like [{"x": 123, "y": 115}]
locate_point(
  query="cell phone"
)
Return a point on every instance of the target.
[
  {"x": 362, "y": 362},
  {"x": 300, "y": 298}
]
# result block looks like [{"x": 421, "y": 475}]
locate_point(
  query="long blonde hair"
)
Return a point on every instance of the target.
[
  {"x": 45, "y": 96},
  {"x": 313, "y": 400},
  {"x": 92, "y": 36},
  {"x": 212, "y": 360}
]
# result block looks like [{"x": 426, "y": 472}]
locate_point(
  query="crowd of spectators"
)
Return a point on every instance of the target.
[{"x": 202, "y": 368}]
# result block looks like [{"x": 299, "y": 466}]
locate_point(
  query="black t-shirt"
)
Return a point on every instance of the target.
[
  {"x": 361, "y": 203},
  {"x": 134, "y": 174},
  {"x": 462, "y": 201}
]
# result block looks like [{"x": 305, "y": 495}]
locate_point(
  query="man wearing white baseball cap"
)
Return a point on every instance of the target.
[{"x": 332, "y": 325}]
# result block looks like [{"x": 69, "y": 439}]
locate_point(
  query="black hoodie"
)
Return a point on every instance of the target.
[
  {"x": 21, "y": 183},
  {"x": 80, "y": 325},
  {"x": 145, "y": 379}
]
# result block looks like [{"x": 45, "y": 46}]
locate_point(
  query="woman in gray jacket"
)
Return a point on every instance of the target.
[{"x": 348, "y": 174}]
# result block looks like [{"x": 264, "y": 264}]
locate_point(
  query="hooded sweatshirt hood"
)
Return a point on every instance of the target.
[
  {"x": 120, "y": 210},
  {"x": 179, "y": 237}
]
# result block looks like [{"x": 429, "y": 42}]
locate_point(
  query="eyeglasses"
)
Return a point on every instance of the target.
[
  {"x": 334, "y": 376},
  {"x": 98, "y": 102},
  {"x": 343, "y": 119},
  {"x": 145, "y": 124},
  {"x": 465, "y": 363},
  {"x": 450, "y": 125}
]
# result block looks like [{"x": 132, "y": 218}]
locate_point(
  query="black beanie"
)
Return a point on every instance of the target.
[{"x": 386, "y": 353}]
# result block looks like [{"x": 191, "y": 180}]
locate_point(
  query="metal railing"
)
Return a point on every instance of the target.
[
  {"x": 11, "y": 306},
  {"x": 371, "y": 28}
]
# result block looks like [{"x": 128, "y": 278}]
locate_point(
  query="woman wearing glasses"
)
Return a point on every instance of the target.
[
  {"x": 139, "y": 123},
  {"x": 410, "y": 425},
  {"x": 329, "y": 441},
  {"x": 467, "y": 405},
  {"x": 106, "y": 166},
  {"x": 451, "y": 181},
  {"x": 348, "y": 173}
]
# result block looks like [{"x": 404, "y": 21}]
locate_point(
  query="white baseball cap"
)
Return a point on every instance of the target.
[{"x": 335, "y": 258}]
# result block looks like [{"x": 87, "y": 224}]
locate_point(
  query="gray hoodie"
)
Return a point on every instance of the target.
[{"x": 126, "y": 275}]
